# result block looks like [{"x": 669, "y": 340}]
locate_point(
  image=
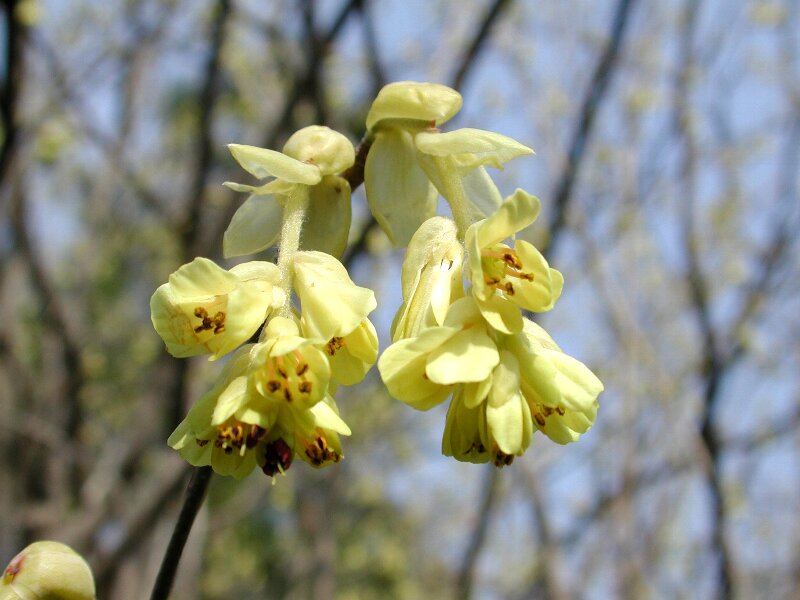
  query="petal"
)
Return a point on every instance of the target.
[
  {"x": 482, "y": 193},
  {"x": 257, "y": 270},
  {"x": 402, "y": 368},
  {"x": 476, "y": 393},
  {"x": 519, "y": 210},
  {"x": 431, "y": 103},
  {"x": 350, "y": 364},
  {"x": 541, "y": 293},
  {"x": 399, "y": 194},
  {"x": 579, "y": 387},
  {"x": 248, "y": 307},
  {"x": 501, "y": 314},
  {"x": 472, "y": 147},
  {"x": 327, "y": 224},
  {"x": 506, "y": 424},
  {"x": 233, "y": 398},
  {"x": 538, "y": 337},
  {"x": 201, "y": 278},
  {"x": 470, "y": 355},
  {"x": 326, "y": 417},
  {"x": 434, "y": 240},
  {"x": 332, "y": 305},
  {"x": 462, "y": 438},
  {"x": 255, "y": 226},
  {"x": 269, "y": 163},
  {"x": 431, "y": 277}
]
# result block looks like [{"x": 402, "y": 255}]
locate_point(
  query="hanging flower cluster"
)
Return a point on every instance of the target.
[
  {"x": 273, "y": 400},
  {"x": 460, "y": 332},
  {"x": 505, "y": 375}
]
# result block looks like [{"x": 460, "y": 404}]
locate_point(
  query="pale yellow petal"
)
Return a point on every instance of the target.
[
  {"x": 399, "y": 194},
  {"x": 255, "y": 226},
  {"x": 430, "y": 103},
  {"x": 262, "y": 162}
]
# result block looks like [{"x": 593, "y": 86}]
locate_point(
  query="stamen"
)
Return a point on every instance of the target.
[
  {"x": 501, "y": 459},
  {"x": 279, "y": 366},
  {"x": 335, "y": 343},
  {"x": 216, "y": 323}
]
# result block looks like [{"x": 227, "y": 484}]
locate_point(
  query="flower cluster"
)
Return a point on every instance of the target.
[
  {"x": 460, "y": 333},
  {"x": 506, "y": 376},
  {"x": 273, "y": 400}
]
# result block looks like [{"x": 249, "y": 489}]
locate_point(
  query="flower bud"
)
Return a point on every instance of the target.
[
  {"x": 431, "y": 278},
  {"x": 428, "y": 103},
  {"x": 47, "y": 571},
  {"x": 318, "y": 145}
]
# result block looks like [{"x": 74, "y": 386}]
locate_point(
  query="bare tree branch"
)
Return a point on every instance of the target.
[
  {"x": 593, "y": 98},
  {"x": 471, "y": 53},
  {"x": 477, "y": 537}
]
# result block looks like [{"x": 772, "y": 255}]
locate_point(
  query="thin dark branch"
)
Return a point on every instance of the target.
[
  {"x": 195, "y": 493},
  {"x": 479, "y": 39},
  {"x": 713, "y": 367},
  {"x": 205, "y": 151},
  {"x": 376, "y": 70},
  {"x": 477, "y": 538},
  {"x": 15, "y": 35},
  {"x": 137, "y": 527},
  {"x": 55, "y": 321},
  {"x": 301, "y": 82},
  {"x": 110, "y": 148},
  {"x": 593, "y": 97}
]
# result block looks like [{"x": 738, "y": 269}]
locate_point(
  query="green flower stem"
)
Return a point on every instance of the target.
[
  {"x": 293, "y": 215},
  {"x": 455, "y": 196}
]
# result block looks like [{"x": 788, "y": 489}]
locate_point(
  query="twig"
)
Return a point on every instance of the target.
[
  {"x": 190, "y": 226},
  {"x": 15, "y": 37},
  {"x": 195, "y": 492},
  {"x": 713, "y": 366},
  {"x": 479, "y": 39},
  {"x": 56, "y": 322},
  {"x": 466, "y": 574},
  {"x": 586, "y": 116},
  {"x": 137, "y": 525}
]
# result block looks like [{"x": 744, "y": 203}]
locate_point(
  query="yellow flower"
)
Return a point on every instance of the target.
[
  {"x": 312, "y": 434},
  {"x": 204, "y": 309},
  {"x": 505, "y": 279},
  {"x": 308, "y": 166},
  {"x": 560, "y": 390},
  {"x": 288, "y": 368},
  {"x": 423, "y": 371},
  {"x": 431, "y": 278},
  {"x": 352, "y": 356},
  {"x": 226, "y": 425},
  {"x": 503, "y": 386},
  {"x": 335, "y": 310},
  {"x": 317, "y": 432}
]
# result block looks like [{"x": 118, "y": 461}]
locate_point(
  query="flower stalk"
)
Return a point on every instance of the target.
[{"x": 293, "y": 216}]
